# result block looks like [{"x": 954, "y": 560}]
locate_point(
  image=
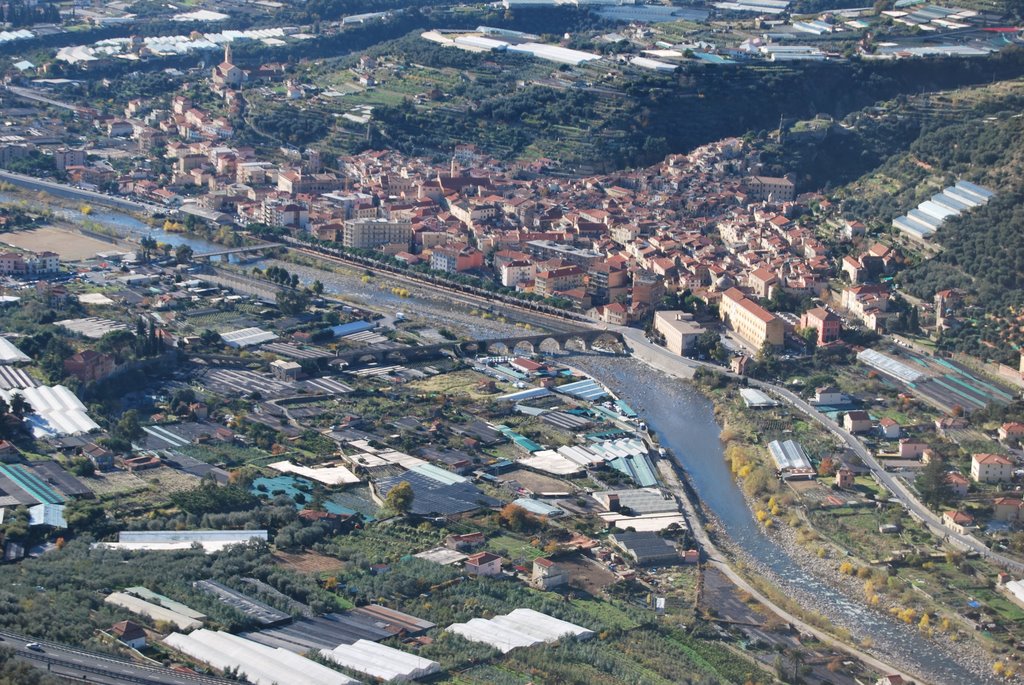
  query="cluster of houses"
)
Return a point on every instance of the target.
[{"x": 989, "y": 469}]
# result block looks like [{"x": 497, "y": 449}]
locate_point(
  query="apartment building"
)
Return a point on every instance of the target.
[
  {"x": 370, "y": 234},
  {"x": 750, "y": 321}
]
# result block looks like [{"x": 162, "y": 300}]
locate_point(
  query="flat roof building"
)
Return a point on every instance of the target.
[
  {"x": 371, "y": 234},
  {"x": 679, "y": 329}
]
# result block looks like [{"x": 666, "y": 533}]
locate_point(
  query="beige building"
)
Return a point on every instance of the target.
[
  {"x": 749, "y": 320},
  {"x": 679, "y": 329},
  {"x": 483, "y": 564},
  {"x": 370, "y": 234},
  {"x": 548, "y": 575},
  {"x": 991, "y": 468},
  {"x": 774, "y": 188}
]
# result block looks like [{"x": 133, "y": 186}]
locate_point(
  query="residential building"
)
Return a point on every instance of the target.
[
  {"x": 1012, "y": 432},
  {"x": 551, "y": 281},
  {"x": 770, "y": 188},
  {"x": 828, "y": 325},
  {"x": 889, "y": 429},
  {"x": 285, "y": 370},
  {"x": 959, "y": 521},
  {"x": 958, "y": 485},
  {"x": 762, "y": 281},
  {"x": 750, "y": 321},
  {"x": 1010, "y": 509},
  {"x": 89, "y": 366},
  {"x": 464, "y": 541},
  {"x": 518, "y": 271},
  {"x": 911, "y": 448},
  {"x": 29, "y": 264},
  {"x": 371, "y": 234},
  {"x": 548, "y": 574},
  {"x": 483, "y": 564},
  {"x": 68, "y": 157},
  {"x": 857, "y": 421},
  {"x": 101, "y": 457},
  {"x": 129, "y": 633},
  {"x": 867, "y": 303},
  {"x": 679, "y": 330},
  {"x": 991, "y": 468},
  {"x": 456, "y": 258},
  {"x": 845, "y": 478},
  {"x": 829, "y": 395}
]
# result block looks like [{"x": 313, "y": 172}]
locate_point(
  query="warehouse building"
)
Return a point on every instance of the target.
[
  {"x": 645, "y": 548},
  {"x": 679, "y": 329}
]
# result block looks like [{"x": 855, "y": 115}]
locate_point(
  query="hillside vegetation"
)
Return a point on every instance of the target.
[
  {"x": 636, "y": 118},
  {"x": 909, "y": 149}
]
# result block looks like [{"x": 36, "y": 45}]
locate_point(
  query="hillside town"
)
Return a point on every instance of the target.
[{"x": 339, "y": 346}]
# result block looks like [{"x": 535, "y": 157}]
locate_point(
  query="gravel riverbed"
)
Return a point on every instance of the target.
[{"x": 683, "y": 421}]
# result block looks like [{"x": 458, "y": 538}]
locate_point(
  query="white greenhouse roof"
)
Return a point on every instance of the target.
[
  {"x": 328, "y": 475},
  {"x": 262, "y": 665},
  {"x": 10, "y": 354},
  {"x": 57, "y": 410},
  {"x": 888, "y": 365},
  {"x": 521, "y": 628},
  {"x": 245, "y": 337},
  {"x": 554, "y": 53},
  {"x": 152, "y": 611},
  {"x": 756, "y": 399},
  {"x": 789, "y": 455},
  {"x": 381, "y": 661},
  {"x": 551, "y": 461}
]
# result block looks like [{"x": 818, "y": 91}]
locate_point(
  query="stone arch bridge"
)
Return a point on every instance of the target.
[{"x": 527, "y": 344}]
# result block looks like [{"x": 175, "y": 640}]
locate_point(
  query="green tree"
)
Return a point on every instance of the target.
[
  {"x": 128, "y": 427},
  {"x": 400, "y": 498},
  {"x": 183, "y": 254},
  {"x": 932, "y": 485},
  {"x": 19, "y": 405},
  {"x": 292, "y": 302}
]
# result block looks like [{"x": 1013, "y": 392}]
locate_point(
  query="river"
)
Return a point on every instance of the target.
[
  {"x": 682, "y": 418},
  {"x": 684, "y": 422},
  {"x": 123, "y": 224}
]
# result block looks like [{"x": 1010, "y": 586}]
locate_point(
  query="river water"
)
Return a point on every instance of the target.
[
  {"x": 123, "y": 224},
  {"x": 684, "y": 422}
]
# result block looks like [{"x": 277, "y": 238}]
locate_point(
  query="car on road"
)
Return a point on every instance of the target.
[{"x": 34, "y": 646}]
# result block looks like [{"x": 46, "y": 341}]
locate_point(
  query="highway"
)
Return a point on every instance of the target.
[{"x": 95, "y": 667}]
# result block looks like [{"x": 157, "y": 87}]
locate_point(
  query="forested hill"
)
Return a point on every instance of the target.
[
  {"x": 658, "y": 114},
  {"x": 907, "y": 150}
]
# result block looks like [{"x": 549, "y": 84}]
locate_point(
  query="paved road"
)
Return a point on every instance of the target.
[
  {"x": 664, "y": 360},
  {"x": 95, "y": 667},
  {"x": 718, "y": 560},
  {"x": 893, "y": 484},
  {"x": 70, "y": 192}
]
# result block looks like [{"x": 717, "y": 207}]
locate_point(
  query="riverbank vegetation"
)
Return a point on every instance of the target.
[{"x": 857, "y": 540}]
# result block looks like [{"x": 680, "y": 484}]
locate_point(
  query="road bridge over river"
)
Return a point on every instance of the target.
[{"x": 528, "y": 344}]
